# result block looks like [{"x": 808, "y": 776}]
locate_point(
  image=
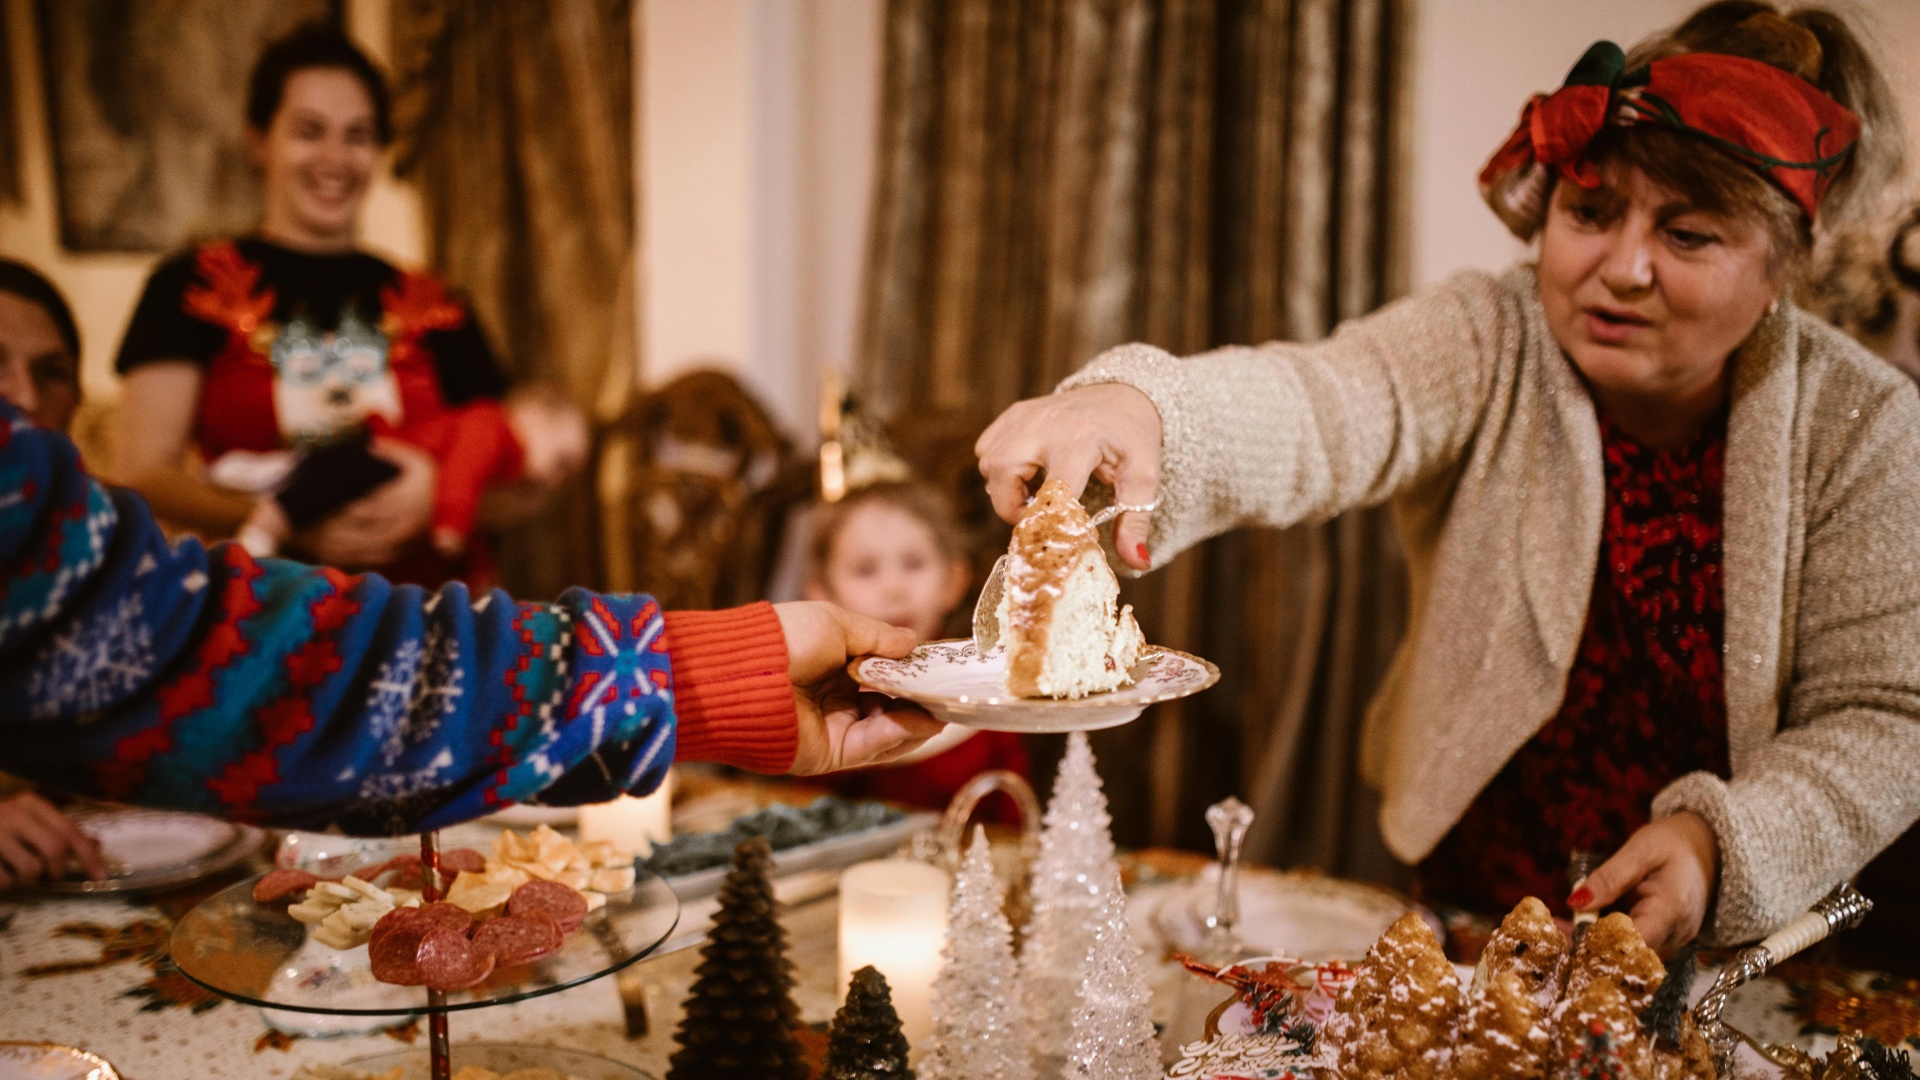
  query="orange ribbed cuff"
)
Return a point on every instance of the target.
[{"x": 730, "y": 688}]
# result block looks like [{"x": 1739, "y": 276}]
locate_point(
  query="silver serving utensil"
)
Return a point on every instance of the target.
[
  {"x": 1841, "y": 909},
  {"x": 1579, "y": 865},
  {"x": 986, "y": 610}
]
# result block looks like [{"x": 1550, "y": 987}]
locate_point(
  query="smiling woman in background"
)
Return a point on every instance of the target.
[
  {"x": 1659, "y": 521},
  {"x": 292, "y": 339}
]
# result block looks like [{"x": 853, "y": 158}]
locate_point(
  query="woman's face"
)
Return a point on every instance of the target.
[
  {"x": 37, "y": 373},
  {"x": 1648, "y": 295},
  {"x": 318, "y": 157}
]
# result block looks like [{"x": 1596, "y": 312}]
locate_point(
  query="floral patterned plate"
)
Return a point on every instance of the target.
[{"x": 959, "y": 685}]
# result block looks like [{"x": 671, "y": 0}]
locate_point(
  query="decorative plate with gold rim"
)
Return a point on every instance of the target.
[
  {"x": 960, "y": 685},
  {"x": 51, "y": 1061}
]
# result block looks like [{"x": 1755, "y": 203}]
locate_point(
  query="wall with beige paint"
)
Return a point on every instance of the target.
[{"x": 757, "y": 133}]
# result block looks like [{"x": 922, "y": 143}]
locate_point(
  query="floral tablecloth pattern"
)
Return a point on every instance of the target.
[{"x": 92, "y": 972}]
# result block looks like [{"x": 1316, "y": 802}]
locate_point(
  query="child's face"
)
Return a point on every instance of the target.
[{"x": 886, "y": 564}]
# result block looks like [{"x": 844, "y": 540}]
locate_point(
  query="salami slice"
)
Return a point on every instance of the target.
[
  {"x": 462, "y": 861},
  {"x": 395, "y": 955},
  {"x": 448, "y": 961},
  {"x": 519, "y": 939},
  {"x": 400, "y": 918},
  {"x": 567, "y": 907},
  {"x": 450, "y": 916},
  {"x": 372, "y": 871},
  {"x": 405, "y": 868},
  {"x": 280, "y": 885}
]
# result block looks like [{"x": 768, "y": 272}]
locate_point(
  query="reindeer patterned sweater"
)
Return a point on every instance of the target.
[{"x": 178, "y": 675}]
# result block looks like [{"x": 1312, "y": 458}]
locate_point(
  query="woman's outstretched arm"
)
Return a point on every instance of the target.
[
  {"x": 267, "y": 690},
  {"x": 1272, "y": 435}
]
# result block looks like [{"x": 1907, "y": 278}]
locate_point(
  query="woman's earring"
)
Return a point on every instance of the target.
[{"x": 1773, "y": 308}]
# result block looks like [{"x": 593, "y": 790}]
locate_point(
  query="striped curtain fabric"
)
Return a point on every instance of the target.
[
  {"x": 516, "y": 120},
  {"x": 1059, "y": 176}
]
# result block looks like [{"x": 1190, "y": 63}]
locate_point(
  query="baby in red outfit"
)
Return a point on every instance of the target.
[{"x": 535, "y": 435}]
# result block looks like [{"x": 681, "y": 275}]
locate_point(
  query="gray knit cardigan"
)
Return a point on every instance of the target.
[{"x": 1459, "y": 408}]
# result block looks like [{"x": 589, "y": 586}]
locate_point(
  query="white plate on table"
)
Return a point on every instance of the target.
[
  {"x": 958, "y": 685},
  {"x": 1306, "y": 916},
  {"x": 158, "y": 849}
]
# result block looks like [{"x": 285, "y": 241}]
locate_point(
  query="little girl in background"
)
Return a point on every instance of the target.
[{"x": 892, "y": 551}]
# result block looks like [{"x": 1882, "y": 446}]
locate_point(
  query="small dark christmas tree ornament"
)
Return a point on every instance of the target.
[
  {"x": 1664, "y": 1013},
  {"x": 740, "y": 1014},
  {"x": 865, "y": 1042},
  {"x": 1881, "y": 1062}
]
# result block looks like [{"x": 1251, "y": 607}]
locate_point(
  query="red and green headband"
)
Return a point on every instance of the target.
[{"x": 1773, "y": 120}]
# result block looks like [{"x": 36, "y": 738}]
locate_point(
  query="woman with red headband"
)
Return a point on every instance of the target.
[{"x": 1659, "y": 521}]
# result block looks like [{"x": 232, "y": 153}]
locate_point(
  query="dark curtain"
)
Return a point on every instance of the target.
[
  {"x": 516, "y": 122},
  {"x": 12, "y": 185},
  {"x": 1060, "y": 176}
]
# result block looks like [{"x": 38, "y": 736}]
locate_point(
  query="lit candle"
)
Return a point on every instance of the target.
[
  {"x": 893, "y": 915},
  {"x": 632, "y": 824}
]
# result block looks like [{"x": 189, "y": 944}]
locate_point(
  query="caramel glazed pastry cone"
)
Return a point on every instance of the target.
[
  {"x": 1505, "y": 1033},
  {"x": 1404, "y": 1017},
  {"x": 1397, "y": 1021},
  {"x": 1611, "y": 980}
]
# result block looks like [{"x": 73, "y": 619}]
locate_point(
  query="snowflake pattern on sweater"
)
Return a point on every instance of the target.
[{"x": 266, "y": 690}]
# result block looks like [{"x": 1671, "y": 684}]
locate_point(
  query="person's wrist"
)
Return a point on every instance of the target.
[
  {"x": 1702, "y": 840},
  {"x": 733, "y": 699},
  {"x": 1705, "y": 846}
]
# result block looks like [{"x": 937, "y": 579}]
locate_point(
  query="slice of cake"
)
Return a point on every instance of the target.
[{"x": 1057, "y": 618}]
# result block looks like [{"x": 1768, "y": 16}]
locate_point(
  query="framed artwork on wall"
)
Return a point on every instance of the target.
[{"x": 145, "y": 104}]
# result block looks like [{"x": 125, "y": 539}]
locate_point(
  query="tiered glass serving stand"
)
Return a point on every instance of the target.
[{"x": 259, "y": 955}]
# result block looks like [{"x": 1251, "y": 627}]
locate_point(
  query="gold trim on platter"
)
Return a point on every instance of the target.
[{"x": 102, "y": 1068}]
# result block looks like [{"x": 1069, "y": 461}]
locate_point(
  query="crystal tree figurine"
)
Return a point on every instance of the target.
[
  {"x": 979, "y": 1032},
  {"x": 1112, "y": 1034},
  {"x": 1069, "y": 876}
]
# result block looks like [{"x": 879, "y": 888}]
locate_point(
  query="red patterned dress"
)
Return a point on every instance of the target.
[{"x": 1645, "y": 703}]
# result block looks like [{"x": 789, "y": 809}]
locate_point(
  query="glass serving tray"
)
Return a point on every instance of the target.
[{"x": 260, "y": 955}]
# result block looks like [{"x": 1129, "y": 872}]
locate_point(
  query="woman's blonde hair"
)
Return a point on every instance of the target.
[{"x": 1818, "y": 45}]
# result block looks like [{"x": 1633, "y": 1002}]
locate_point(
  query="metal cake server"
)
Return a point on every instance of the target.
[{"x": 986, "y": 610}]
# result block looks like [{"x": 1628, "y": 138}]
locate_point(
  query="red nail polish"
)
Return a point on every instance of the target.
[
  {"x": 1582, "y": 897},
  {"x": 1140, "y": 552}
]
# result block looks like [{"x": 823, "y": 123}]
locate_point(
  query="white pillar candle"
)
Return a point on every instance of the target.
[
  {"x": 893, "y": 915},
  {"x": 632, "y": 824}
]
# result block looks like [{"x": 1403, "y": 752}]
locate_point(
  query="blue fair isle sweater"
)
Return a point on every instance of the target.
[{"x": 199, "y": 678}]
